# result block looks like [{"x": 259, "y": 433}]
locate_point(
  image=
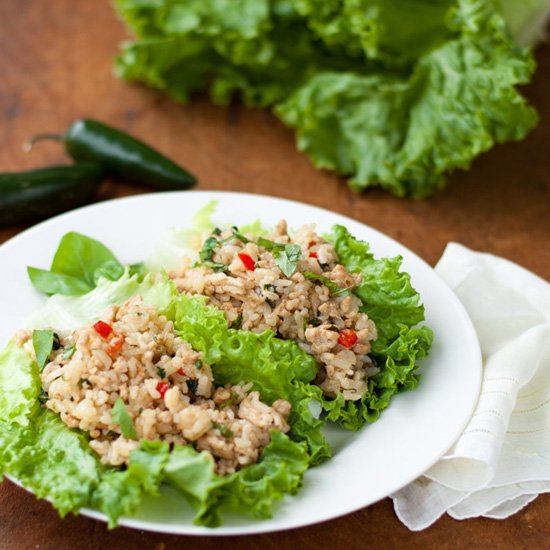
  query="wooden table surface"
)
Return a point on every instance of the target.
[{"x": 56, "y": 65}]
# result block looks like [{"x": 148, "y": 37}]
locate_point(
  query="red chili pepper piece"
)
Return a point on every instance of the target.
[
  {"x": 313, "y": 254},
  {"x": 103, "y": 329},
  {"x": 311, "y": 243},
  {"x": 115, "y": 346},
  {"x": 162, "y": 388},
  {"x": 347, "y": 338},
  {"x": 181, "y": 371},
  {"x": 247, "y": 261}
]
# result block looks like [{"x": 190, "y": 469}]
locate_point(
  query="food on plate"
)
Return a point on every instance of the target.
[
  {"x": 215, "y": 379},
  {"x": 384, "y": 92},
  {"x": 129, "y": 377},
  {"x": 367, "y": 311},
  {"x": 296, "y": 287}
]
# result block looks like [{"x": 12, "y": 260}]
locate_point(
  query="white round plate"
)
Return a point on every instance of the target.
[{"x": 411, "y": 435}]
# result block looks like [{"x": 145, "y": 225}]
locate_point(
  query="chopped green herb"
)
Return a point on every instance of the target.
[
  {"x": 193, "y": 385},
  {"x": 217, "y": 231},
  {"x": 269, "y": 245},
  {"x": 121, "y": 416},
  {"x": 216, "y": 266},
  {"x": 286, "y": 256},
  {"x": 288, "y": 259},
  {"x": 238, "y": 235},
  {"x": 237, "y": 322},
  {"x": 208, "y": 247},
  {"x": 161, "y": 372},
  {"x": 83, "y": 381},
  {"x": 56, "y": 344},
  {"x": 227, "y": 403},
  {"x": 335, "y": 289},
  {"x": 223, "y": 429},
  {"x": 43, "y": 397},
  {"x": 270, "y": 288},
  {"x": 314, "y": 322},
  {"x": 137, "y": 269},
  {"x": 198, "y": 364},
  {"x": 42, "y": 341},
  {"x": 68, "y": 352}
]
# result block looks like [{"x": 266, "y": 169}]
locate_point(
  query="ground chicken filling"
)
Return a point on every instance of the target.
[
  {"x": 133, "y": 355},
  {"x": 244, "y": 277}
]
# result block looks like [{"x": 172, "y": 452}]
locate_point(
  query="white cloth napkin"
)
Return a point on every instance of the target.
[{"x": 501, "y": 462}]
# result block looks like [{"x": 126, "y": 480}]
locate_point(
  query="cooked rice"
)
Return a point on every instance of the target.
[
  {"x": 295, "y": 307},
  {"x": 142, "y": 353}
]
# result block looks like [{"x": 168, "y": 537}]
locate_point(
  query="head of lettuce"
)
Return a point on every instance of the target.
[{"x": 394, "y": 93}]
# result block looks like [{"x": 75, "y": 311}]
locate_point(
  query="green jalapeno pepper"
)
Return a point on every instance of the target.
[
  {"x": 122, "y": 155},
  {"x": 35, "y": 194}
]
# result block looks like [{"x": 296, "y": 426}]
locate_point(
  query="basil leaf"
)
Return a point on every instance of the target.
[
  {"x": 237, "y": 322},
  {"x": 286, "y": 256},
  {"x": 68, "y": 352},
  {"x": 78, "y": 264},
  {"x": 269, "y": 245},
  {"x": 223, "y": 429},
  {"x": 121, "y": 416},
  {"x": 137, "y": 269},
  {"x": 56, "y": 283},
  {"x": 42, "y": 341},
  {"x": 238, "y": 235},
  {"x": 111, "y": 270},
  {"x": 208, "y": 247},
  {"x": 288, "y": 259},
  {"x": 216, "y": 266},
  {"x": 193, "y": 385},
  {"x": 331, "y": 285}
]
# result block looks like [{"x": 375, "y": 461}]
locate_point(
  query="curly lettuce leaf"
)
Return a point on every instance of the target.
[
  {"x": 387, "y": 294},
  {"x": 392, "y": 93},
  {"x": 394, "y": 305},
  {"x": 277, "y": 368},
  {"x": 398, "y": 372},
  {"x": 56, "y": 462},
  {"x": 368, "y": 27},
  {"x": 51, "y": 460},
  {"x": 406, "y": 132},
  {"x": 252, "y": 490},
  {"x": 256, "y": 48},
  {"x": 46, "y": 456},
  {"x": 19, "y": 386},
  {"x": 120, "y": 492}
]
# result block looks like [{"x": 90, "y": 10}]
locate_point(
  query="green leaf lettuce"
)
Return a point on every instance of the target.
[
  {"x": 277, "y": 368},
  {"x": 395, "y": 93},
  {"x": 394, "y": 305}
]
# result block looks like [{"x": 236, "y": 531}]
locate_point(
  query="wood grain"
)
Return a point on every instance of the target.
[{"x": 56, "y": 65}]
